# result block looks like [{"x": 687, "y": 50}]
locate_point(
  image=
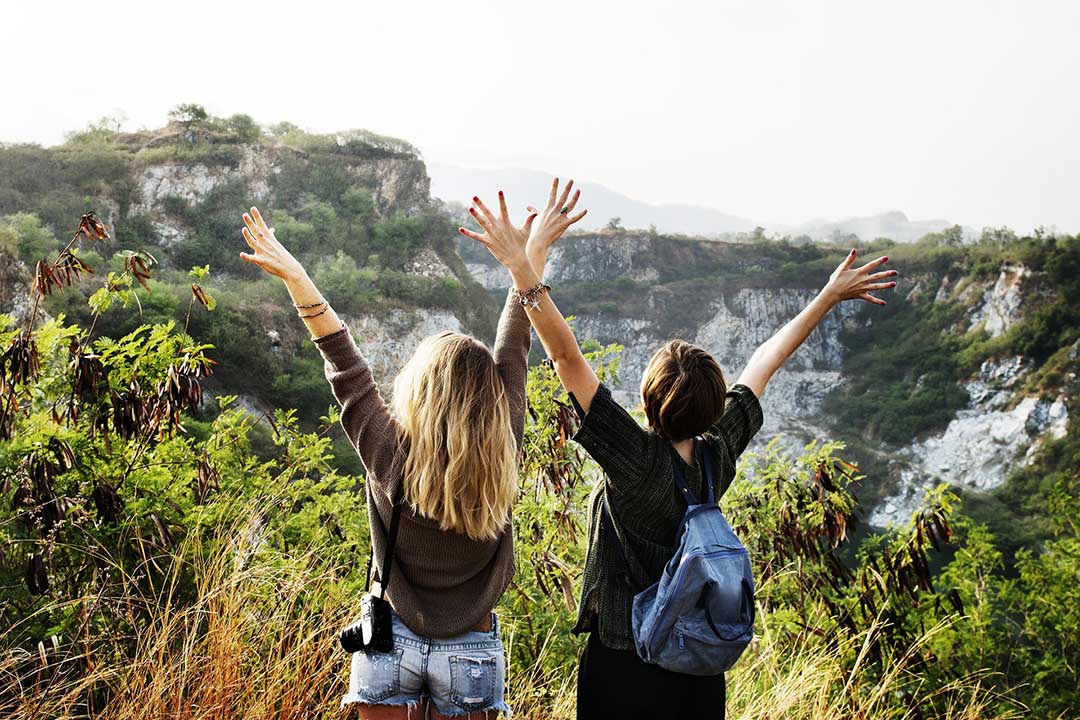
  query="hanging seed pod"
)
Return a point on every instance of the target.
[
  {"x": 165, "y": 536},
  {"x": 88, "y": 379},
  {"x": 206, "y": 479},
  {"x": 107, "y": 502},
  {"x": 92, "y": 228},
  {"x": 138, "y": 264},
  {"x": 37, "y": 579},
  {"x": 67, "y": 268},
  {"x": 19, "y": 363}
]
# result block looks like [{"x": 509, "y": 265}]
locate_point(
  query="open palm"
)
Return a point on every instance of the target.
[
  {"x": 847, "y": 283},
  {"x": 555, "y": 218},
  {"x": 269, "y": 253}
]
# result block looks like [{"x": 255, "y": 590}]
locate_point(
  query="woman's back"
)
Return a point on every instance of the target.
[
  {"x": 443, "y": 582},
  {"x": 639, "y": 482}
]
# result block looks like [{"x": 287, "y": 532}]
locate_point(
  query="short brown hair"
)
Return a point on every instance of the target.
[{"x": 683, "y": 391}]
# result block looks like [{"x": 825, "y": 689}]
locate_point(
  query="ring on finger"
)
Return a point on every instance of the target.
[{"x": 565, "y": 210}]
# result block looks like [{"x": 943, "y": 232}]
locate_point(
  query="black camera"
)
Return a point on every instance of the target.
[{"x": 373, "y": 632}]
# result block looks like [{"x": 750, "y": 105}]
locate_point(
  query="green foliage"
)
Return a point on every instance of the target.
[
  {"x": 904, "y": 374},
  {"x": 24, "y": 235},
  {"x": 397, "y": 238},
  {"x": 189, "y": 114}
]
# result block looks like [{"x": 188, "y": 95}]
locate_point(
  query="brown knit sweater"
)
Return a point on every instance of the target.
[{"x": 442, "y": 583}]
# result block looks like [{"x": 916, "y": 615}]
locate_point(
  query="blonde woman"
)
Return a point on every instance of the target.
[
  {"x": 449, "y": 441},
  {"x": 693, "y": 414}
]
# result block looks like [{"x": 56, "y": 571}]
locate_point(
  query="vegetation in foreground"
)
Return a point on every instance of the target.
[{"x": 162, "y": 555}]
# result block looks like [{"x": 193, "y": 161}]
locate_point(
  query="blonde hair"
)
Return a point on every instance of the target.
[{"x": 461, "y": 464}]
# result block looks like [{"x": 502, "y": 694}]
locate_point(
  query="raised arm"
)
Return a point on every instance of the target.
[
  {"x": 365, "y": 417},
  {"x": 513, "y": 251},
  {"x": 844, "y": 284}
]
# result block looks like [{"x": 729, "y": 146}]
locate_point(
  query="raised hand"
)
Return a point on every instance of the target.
[
  {"x": 501, "y": 237},
  {"x": 849, "y": 284},
  {"x": 269, "y": 254},
  {"x": 554, "y": 220}
]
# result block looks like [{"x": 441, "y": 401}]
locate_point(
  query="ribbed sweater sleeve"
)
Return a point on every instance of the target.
[
  {"x": 365, "y": 416},
  {"x": 512, "y": 341}
]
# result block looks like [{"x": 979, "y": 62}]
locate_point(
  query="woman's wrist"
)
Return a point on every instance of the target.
[
  {"x": 521, "y": 270},
  {"x": 830, "y": 296}
]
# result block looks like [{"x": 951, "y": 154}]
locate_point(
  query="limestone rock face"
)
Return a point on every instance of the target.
[
  {"x": 600, "y": 258},
  {"x": 1000, "y": 305},
  {"x": 193, "y": 182},
  {"x": 388, "y": 341},
  {"x": 396, "y": 183},
  {"x": 999, "y": 430},
  {"x": 15, "y": 279},
  {"x": 428, "y": 264}
]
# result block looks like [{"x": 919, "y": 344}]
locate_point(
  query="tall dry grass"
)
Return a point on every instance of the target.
[{"x": 258, "y": 640}]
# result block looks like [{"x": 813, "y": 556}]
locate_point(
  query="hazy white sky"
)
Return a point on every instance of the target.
[{"x": 775, "y": 110}]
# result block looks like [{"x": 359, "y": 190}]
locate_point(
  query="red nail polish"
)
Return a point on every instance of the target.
[{"x": 885, "y": 259}]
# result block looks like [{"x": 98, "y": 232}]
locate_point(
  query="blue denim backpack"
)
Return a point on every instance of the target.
[{"x": 699, "y": 617}]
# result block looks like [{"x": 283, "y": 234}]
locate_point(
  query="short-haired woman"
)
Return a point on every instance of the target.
[{"x": 685, "y": 395}]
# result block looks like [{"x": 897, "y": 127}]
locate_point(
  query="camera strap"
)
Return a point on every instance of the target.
[{"x": 391, "y": 541}]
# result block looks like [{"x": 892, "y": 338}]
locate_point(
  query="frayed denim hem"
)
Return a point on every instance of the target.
[
  {"x": 392, "y": 701},
  {"x": 458, "y": 712}
]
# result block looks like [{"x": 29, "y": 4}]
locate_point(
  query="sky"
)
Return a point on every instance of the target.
[{"x": 776, "y": 110}]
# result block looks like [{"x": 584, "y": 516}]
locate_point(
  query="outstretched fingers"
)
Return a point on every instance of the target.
[
  {"x": 870, "y": 298},
  {"x": 565, "y": 195},
  {"x": 503, "y": 212},
  {"x": 480, "y": 219},
  {"x": 249, "y": 239},
  {"x": 487, "y": 214},
  {"x": 526, "y": 227},
  {"x": 873, "y": 264},
  {"x": 482, "y": 239},
  {"x": 573, "y": 200},
  {"x": 251, "y": 226},
  {"x": 259, "y": 220},
  {"x": 849, "y": 260},
  {"x": 879, "y": 286},
  {"x": 574, "y": 218},
  {"x": 554, "y": 192}
]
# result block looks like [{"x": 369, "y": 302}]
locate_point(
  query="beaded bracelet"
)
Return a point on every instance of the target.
[
  {"x": 531, "y": 297},
  {"x": 304, "y": 307}
]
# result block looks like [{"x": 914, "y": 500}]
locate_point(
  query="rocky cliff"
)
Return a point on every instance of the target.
[
  {"x": 1000, "y": 428},
  {"x": 637, "y": 289}
]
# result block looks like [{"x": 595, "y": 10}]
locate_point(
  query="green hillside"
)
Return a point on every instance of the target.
[{"x": 171, "y": 547}]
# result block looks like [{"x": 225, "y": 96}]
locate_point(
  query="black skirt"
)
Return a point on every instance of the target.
[{"x": 619, "y": 684}]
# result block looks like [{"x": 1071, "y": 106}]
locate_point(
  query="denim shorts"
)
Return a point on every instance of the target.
[{"x": 460, "y": 675}]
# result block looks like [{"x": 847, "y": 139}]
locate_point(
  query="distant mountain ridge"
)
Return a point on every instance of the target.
[
  {"x": 894, "y": 225},
  {"x": 457, "y": 184},
  {"x": 453, "y": 183}
]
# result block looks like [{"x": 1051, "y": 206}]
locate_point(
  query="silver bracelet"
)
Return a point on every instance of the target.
[{"x": 531, "y": 297}]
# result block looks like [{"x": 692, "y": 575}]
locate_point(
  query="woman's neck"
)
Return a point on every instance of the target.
[{"x": 685, "y": 448}]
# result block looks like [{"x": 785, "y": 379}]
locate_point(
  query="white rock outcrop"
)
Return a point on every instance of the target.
[
  {"x": 999, "y": 308},
  {"x": 981, "y": 445}
]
